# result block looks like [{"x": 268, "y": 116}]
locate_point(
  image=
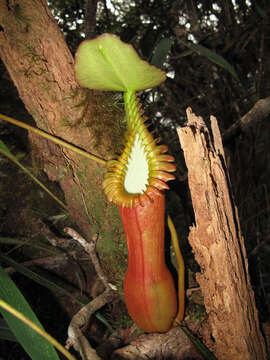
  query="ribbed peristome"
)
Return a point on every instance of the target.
[{"x": 160, "y": 165}]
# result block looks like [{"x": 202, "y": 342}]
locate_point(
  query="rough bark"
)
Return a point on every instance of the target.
[
  {"x": 40, "y": 64},
  {"x": 219, "y": 247}
]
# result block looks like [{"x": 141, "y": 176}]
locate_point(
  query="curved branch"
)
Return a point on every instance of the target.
[
  {"x": 75, "y": 334},
  {"x": 257, "y": 113}
]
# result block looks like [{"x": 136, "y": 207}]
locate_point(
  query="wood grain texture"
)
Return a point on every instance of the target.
[{"x": 218, "y": 246}]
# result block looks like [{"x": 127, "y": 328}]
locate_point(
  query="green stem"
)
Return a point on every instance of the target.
[
  {"x": 12, "y": 158},
  {"x": 54, "y": 139},
  {"x": 181, "y": 272},
  {"x": 132, "y": 108}
]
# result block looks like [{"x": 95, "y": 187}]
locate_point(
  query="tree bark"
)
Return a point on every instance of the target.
[
  {"x": 40, "y": 64},
  {"x": 219, "y": 247},
  {"x": 90, "y": 18}
]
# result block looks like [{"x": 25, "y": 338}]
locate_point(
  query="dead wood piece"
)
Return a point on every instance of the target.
[
  {"x": 219, "y": 247},
  {"x": 75, "y": 335},
  {"x": 171, "y": 345}
]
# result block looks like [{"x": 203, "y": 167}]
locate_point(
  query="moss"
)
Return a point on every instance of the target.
[
  {"x": 36, "y": 63},
  {"x": 103, "y": 113},
  {"x": 198, "y": 313},
  {"x": 80, "y": 174},
  {"x": 118, "y": 317},
  {"x": 38, "y": 119},
  {"x": 106, "y": 114},
  {"x": 66, "y": 122},
  {"x": 103, "y": 219},
  {"x": 110, "y": 109},
  {"x": 64, "y": 172},
  {"x": 18, "y": 18}
]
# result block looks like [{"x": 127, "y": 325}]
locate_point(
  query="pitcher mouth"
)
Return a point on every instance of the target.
[{"x": 142, "y": 168}]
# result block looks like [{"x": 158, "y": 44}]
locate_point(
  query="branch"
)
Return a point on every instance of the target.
[
  {"x": 90, "y": 18},
  {"x": 171, "y": 345},
  {"x": 75, "y": 335},
  {"x": 259, "y": 112}
]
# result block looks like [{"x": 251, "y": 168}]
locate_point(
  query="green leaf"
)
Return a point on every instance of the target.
[
  {"x": 39, "y": 279},
  {"x": 214, "y": 57},
  {"x": 50, "y": 285},
  {"x": 202, "y": 349},
  {"x": 5, "y": 151},
  {"x": 5, "y": 332},
  {"x": 47, "y": 136},
  {"x": 107, "y": 63},
  {"x": 161, "y": 51},
  {"x": 33, "y": 243},
  {"x": 34, "y": 344}
]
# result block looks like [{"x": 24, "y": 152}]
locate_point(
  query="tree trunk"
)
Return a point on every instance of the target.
[
  {"x": 219, "y": 247},
  {"x": 40, "y": 64}
]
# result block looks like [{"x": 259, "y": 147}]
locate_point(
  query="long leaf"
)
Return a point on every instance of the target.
[
  {"x": 202, "y": 349},
  {"x": 161, "y": 51},
  {"x": 214, "y": 57},
  {"x": 36, "y": 347},
  {"x": 5, "y": 151},
  {"x": 38, "y": 279},
  {"x": 5, "y": 332},
  {"x": 36, "y": 244},
  {"x": 52, "y": 138},
  {"x": 50, "y": 285},
  {"x": 37, "y": 329}
]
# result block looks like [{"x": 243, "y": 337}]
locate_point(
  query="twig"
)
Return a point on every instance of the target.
[
  {"x": 75, "y": 335},
  {"x": 90, "y": 248},
  {"x": 259, "y": 246},
  {"x": 190, "y": 291}
]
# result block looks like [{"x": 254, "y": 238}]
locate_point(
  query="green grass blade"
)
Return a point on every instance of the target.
[
  {"x": 36, "y": 347},
  {"x": 50, "y": 285},
  {"x": 38, "y": 330},
  {"x": 52, "y": 138},
  {"x": 202, "y": 349},
  {"x": 5, "y": 332},
  {"x": 38, "y": 279},
  {"x": 35, "y": 244},
  {"x": 5, "y": 151}
]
